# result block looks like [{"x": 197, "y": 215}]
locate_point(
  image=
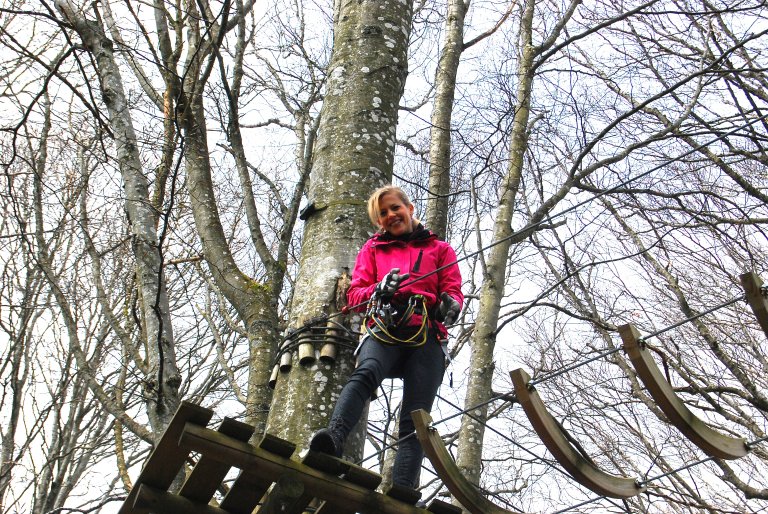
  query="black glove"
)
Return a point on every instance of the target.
[
  {"x": 448, "y": 310},
  {"x": 389, "y": 284}
]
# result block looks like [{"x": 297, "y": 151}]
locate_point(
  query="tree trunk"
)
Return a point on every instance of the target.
[
  {"x": 255, "y": 302},
  {"x": 479, "y": 388},
  {"x": 353, "y": 156},
  {"x": 163, "y": 378},
  {"x": 440, "y": 136}
]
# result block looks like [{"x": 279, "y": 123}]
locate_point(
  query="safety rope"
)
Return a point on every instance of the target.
[{"x": 385, "y": 323}]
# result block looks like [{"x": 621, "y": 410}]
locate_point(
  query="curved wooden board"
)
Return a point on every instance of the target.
[
  {"x": 698, "y": 432},
  {"x": 757, "y": 302},
  {"x": 583, "y": 471},
  {"x": 461, "y": 489}
]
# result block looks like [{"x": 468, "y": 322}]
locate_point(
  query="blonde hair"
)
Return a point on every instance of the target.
[{"x": 375, "y": 199}]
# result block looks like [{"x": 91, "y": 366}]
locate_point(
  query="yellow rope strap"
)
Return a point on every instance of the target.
[{"x": 381, "y": 330}]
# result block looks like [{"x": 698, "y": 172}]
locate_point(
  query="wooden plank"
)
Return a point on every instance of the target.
[
  {"x": 248, "y": 488},
  {"x": 278, "y": 446},
  {"x": 208, "y": 473},
  {"x": 697, "y": 431},
  {"x": 266, "y": 466},
  {"x": 157, "y": 501},
  {"x": 167, "y": 459},
  {"x": 440, "y": 507},
  {"x": 339, "y": 467},
  {"x": 757, "y": 301},
  {"x": 324, "y": 462},
  {"x": 548, "y": 430},
  {"x": 362, "y": 477},
  {"x": 461, "y": 489},
  {"x": 245, "y": 493},
  {"x": 287, "y": 496},
  {"x": 404, "y": 494}
]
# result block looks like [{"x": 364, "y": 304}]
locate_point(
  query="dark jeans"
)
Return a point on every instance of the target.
[{"x": 421, "y": 369}]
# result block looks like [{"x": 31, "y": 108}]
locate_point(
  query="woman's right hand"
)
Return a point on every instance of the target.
[{"x": 388, "y": 286}]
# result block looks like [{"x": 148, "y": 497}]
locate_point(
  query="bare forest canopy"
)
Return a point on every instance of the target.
[{"x": 183, "y": 186}]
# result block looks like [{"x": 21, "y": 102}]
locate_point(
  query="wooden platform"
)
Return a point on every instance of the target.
[{"x": 269, "y": 480}]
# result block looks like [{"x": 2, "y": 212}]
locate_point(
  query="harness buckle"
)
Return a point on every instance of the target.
[
  {"x": 387, "y": 314},
  {"x": 383, "y": 321}
]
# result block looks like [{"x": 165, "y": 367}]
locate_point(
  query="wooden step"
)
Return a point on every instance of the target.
[
  {"x": 167, "y": 459},
  {"x": 208, "y": 473},
  {"x": 249, "y": 488}
]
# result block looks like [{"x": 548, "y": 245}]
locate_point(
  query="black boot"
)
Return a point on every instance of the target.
[{"x": 328, "y": 441}]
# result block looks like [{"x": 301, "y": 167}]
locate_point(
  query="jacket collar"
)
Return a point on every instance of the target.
[{"x": 420, "y": 233}]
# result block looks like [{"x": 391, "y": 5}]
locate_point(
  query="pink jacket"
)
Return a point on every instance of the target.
[{"x": 418, "y": 256}]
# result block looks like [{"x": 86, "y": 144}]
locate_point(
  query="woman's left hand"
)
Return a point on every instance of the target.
[{"x": 449, "y": 309}]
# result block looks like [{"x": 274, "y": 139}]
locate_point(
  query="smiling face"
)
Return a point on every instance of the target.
[{"x": 395, "y": 216}]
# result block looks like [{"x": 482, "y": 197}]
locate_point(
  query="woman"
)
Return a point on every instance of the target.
[{"x": 405, "y": 329}]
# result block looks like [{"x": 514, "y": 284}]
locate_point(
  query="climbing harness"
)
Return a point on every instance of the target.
[{"x": 385, "y": 321}]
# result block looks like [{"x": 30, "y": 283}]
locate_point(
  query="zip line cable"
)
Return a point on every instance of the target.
[
  {"x": 518, "y": 234},
  {"x": 468, "y": 412},
  {"x": 695, "y": 316},
  {"x": 510, "y": 397},
  {"x": 660, "y": 476},
  {"x": 575, "y": 365},
  {"x": 548, "y": 219},
  {"x": 385, "y": 447},
  {"x": 542, "y": 459},
  {"x": 497, "y": 432},
  {"x": 550, "y": 464},
  {"x": 695, "y": 463},
  {"x": 522, "y": 233}
]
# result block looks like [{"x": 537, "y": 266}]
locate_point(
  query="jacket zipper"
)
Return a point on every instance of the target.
[{"x": 418, "y": 262}]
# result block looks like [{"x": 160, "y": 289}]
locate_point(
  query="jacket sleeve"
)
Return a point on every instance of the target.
[
  {"x": 449, "y": 279},
  {"x": 363, "y": 278}
]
